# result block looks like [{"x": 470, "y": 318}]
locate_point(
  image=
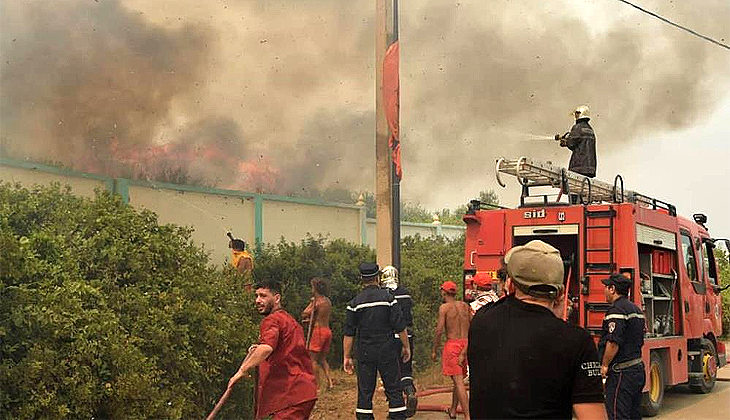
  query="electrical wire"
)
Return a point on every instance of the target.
[{"x": 663, "y": 19}]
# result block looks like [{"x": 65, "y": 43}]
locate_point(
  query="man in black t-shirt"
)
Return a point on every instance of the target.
[
  {"x": 524, "y": 361},
  {"x": 620, "y": 351}
]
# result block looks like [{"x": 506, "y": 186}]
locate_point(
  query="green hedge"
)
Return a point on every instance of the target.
[{"x": 106, "y": 314}]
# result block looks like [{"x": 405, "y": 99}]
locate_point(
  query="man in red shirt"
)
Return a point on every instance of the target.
[{"x": 287, "y": 388}]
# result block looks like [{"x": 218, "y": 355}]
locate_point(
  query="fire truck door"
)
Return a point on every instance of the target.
[{"x": 713, "y": 300}]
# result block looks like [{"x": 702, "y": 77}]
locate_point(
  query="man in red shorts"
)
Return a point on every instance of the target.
[
  {"x": 454, "y": 317},
  {"x": 287, "y": 389},
  {"x": 320, "y": 339}
]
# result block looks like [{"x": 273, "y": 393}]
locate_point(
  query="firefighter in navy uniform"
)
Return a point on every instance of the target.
[
  {"x": 389, "y": 280},
  {"x": 372, "y": 316},
  {"x": 582, "y": 142},
  {"x": 620, "y": 351}
]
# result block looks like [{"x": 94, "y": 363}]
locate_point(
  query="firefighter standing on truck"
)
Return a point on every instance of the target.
[
  {"x": 620, "y": 351},
  {"x": 389, "y": 280},
  {"x": 372, "y": 316},
  {"x": 582, "y": 142}
]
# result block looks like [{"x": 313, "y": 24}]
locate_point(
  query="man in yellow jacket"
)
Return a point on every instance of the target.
[{"x": 241, "y": 260}]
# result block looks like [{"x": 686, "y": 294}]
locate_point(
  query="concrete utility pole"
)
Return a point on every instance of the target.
[{"x": 383, "y": 163}]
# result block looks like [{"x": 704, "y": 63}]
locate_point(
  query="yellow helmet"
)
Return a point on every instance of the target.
[
  {"x": 389, "y": 277},
  {"x": 582, "y": 111}
]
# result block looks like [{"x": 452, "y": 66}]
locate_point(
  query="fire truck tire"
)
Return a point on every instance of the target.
[
  {"x": 652, "y": 400},
  {"x": 709, "y": 368}
]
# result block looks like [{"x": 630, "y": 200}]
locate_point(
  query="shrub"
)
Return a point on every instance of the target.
[{"x": 104, "y": 313}]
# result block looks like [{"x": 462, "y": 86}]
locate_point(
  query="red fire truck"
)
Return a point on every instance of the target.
[{"x": 608, "y": 229}]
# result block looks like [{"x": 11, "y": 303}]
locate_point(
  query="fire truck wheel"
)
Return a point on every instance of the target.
[
  {"x": 709, "y": 368},
  {"x": 652, "y": 399}
]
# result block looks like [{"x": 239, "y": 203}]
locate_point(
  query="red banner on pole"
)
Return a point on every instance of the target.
[{"x": 391, "y": 99}]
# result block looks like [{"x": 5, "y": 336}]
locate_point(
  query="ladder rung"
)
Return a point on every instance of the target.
[
  {"x": 597, "y": 214},
  {"x": 598, "y": 226},
  {"x": 599, "y": 250},
  {"x": 599, "y": 266}
]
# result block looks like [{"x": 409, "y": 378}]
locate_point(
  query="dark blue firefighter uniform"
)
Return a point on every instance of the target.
[
  {"x": 624, "y": 325},
  {"x": 372, "y": 316},
  {"x": 403, "y": 297}
]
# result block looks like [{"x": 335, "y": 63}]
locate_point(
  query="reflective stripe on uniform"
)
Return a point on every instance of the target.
[
  {"x": 369, "y": 305},
  {"x": 396, "y": 409},
  {"x": 363, "y": 411},
  {"x": 620, "y": 316},
  {"x": 403, "y": 296},
  {"x": 405, "y": 378}
]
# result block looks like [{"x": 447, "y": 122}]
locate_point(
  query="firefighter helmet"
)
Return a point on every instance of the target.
[
  {"x": 389, "y": 277},
  {"x": 581, "y": 112}
]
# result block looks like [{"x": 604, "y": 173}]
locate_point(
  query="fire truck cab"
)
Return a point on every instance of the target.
[{"x": 669, "y": 258}]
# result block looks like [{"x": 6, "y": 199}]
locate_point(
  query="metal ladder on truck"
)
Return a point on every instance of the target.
[
  {"x": 598, "y": 261},
  {"x": 598, "y": 222},
  {"x": 537, "y": 174}
]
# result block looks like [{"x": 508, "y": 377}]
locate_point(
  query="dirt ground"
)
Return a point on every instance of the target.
[{"x": 340, "y": 402}]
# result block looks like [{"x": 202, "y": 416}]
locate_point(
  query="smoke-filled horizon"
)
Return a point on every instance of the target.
[{"x": 279, "y": 96}]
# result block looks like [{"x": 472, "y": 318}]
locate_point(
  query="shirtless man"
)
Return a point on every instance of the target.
[
  {"x": 454, "y": 316},
  {"x": 321, "y": 335}
]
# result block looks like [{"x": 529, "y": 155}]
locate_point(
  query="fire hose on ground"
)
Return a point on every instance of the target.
[{"x": 436, "y": 407}]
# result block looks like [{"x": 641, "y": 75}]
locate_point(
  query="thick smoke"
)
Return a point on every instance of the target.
[
  {"x": 85, "y": 83},
  {"x": 278, "y": 96}
]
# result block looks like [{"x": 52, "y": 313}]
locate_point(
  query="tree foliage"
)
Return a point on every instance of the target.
[{"x": 104, "y": 313}]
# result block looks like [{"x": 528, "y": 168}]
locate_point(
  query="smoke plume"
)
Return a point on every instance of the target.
[{"x": 279, "y": 96}]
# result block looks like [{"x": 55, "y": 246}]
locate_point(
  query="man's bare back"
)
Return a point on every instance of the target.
[
  {"x": 323, "y": 311},
  {"x": 456, "y": 316}
]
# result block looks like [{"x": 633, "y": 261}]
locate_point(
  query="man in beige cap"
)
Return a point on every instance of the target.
[{"x": 524, "y": 360}]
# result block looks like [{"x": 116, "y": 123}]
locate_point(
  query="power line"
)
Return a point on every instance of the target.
[{"x": 706, "y": 38}]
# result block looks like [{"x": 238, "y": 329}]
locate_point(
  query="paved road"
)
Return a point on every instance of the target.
[{"x": 679, "y": 402}]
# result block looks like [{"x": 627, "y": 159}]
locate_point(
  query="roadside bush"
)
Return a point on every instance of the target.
[{"x": 104, "y": 313}]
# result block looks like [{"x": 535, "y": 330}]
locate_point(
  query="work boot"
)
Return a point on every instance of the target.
[{"x": 411, "y": 400}]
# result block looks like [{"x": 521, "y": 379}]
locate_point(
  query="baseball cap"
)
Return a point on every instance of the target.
[
  {"x": 482, "y": 280},
  {"x": 449, "y": 286},
  {"x": 621, "y": 282},
  {"x": 536, "y": 264},
  {"x": 369, "y": 269}
]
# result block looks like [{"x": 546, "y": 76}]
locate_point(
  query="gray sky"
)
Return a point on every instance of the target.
[{"x": 280, "y": 94}]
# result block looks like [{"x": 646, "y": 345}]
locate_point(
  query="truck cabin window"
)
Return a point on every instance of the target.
[
  {"x": 709, "y": 261},
  {"x": 690, "y": 263}
]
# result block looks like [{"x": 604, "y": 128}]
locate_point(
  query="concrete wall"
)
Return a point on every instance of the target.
[
  {"x": 296, "y": 219},
  {"x": 255, "y": 218},
  {"x": 211, "y": 214},
  {"x": 28, "y": 174}
]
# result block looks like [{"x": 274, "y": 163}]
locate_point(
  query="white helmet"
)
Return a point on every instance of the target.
[
  {"x": 582, "y": 111},
  {"x": 389, "y": 277}
]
